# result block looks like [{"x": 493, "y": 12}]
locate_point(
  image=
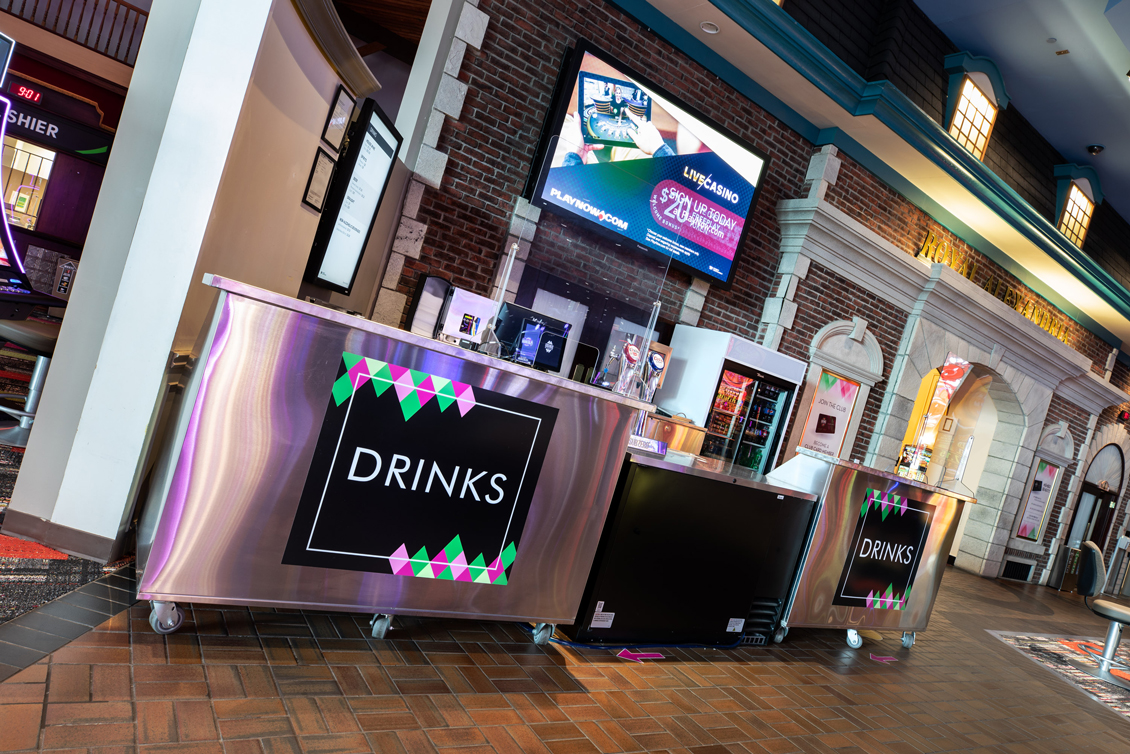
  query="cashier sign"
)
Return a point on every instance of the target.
[{"x": 418, "y": 475}]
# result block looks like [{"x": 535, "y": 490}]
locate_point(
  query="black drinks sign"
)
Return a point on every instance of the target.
[
  {"x": 417, "y": 475},
  {"x": 885, "y": 552}
]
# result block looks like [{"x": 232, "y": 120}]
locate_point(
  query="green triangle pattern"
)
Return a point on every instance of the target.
[
  {"x": 446, "y": 574},
  {"x": 501, "y": 578},
  {"x": 445, "y": 395},
  {"x": 454, "y": 547},
  {"x": 382, "y": 380},
  {"x": 410, "y": 405},
  {"x": 507, "y": 557},
  {"x": 420, "y": 561},
  {"x": 342, "y": 389},
  {"x": 478, "y": 568}
]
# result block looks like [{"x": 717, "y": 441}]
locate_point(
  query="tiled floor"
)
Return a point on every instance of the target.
[{"x": 245, "y": 681}]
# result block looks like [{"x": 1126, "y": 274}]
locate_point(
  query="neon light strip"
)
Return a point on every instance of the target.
[{"x": 11, "y": 244}]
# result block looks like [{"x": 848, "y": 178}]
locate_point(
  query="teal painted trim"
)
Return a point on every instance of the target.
[
  {"x": 804, "y": 53},
  {"x": 951, "y": 223},
  {"x": 647, "y": 16},
  {"x": 772, "y": 27},
  {"x": 1069, "y": 172},
  {"x": 961, "y": 63}
]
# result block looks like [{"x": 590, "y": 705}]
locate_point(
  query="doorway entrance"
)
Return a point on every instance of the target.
[{"x": 1093, "y": 516}]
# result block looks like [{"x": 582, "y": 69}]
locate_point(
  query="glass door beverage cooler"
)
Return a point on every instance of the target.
[
  {"x": 739, "y": 392},
  {"x": 747, "y": 417}
]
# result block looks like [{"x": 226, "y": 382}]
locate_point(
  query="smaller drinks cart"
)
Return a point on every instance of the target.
[{"x": 878, "y": 547}]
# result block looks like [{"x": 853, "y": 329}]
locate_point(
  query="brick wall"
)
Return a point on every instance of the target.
[
  {"x": 894, "y": 40},
  {"x": 1076, "y": 418},
  {"x": 510, "y": 83},
  {"x": 824, "y": 297},
  {"x": 876, "y": 205}
]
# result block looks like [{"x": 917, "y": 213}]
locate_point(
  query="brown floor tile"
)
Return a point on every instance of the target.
[
  {"x": 19, "y": 726},
  {"x": 283, "y": 682}
]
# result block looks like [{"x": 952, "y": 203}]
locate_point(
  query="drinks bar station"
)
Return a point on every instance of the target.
[{"x": 505, "y": 458}]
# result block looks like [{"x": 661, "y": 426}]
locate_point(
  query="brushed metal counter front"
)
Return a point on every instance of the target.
[
  {"x": 843, "y": 485},
  {"x": 226, "y": 488}
]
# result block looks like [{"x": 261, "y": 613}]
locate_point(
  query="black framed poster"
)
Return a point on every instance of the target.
[
  {"x": 886, "y": 549},
  {"x": 318, "y": 184},
  {"x": 333, "y": 133},
  {"x": 417, "y": 475}
]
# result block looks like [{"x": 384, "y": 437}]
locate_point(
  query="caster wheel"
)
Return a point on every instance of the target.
[
  {"x": 543, "y": 632},
  {"x": 780, "y": 634},
  {"x": 908, "y": 639},
  {"x": 165, "y": 617},
  {"x": 380, "y": 623},
  {"x": 854, "y": 640}
]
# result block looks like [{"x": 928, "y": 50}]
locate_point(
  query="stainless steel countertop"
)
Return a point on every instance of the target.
[
  {"x": 885, "y": 474},
  {"x": 404, "y": 336},
  {"x": 701, "y": 467}
]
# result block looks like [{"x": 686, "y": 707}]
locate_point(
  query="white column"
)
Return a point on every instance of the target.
[{"x": 169, "y": 152}]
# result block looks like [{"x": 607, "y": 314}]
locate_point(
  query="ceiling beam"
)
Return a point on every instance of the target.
[{"x": 370, "y": 32}]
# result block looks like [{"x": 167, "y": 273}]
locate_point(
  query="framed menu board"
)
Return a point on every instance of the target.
[{"x": 354, "y": 197}]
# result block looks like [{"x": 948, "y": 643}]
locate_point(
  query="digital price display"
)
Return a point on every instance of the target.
[{"x": 25, "y": 92}]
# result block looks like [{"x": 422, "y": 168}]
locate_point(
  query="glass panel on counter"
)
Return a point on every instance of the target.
[{"x": 597, "y": 293}]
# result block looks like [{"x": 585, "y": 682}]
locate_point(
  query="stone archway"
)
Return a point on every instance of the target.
[
  {"x": 1021, "y": 404},
  {"x": 1108, "y": 434}
]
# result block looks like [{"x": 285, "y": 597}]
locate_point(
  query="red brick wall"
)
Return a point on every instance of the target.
[
  {"x": 1076, "y": 418},
  {"x": 824, "y": 297},
  {"x": 491, "y": 147},
  {"x": 873, "y": 203}
]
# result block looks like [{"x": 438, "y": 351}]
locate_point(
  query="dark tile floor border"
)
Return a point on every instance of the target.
[{"x": 28, "y": 638}]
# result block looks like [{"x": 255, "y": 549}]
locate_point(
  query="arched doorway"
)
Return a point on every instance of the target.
[
  {"x": 1098, "y": 499},
  {"x": 968, "y": 443}
]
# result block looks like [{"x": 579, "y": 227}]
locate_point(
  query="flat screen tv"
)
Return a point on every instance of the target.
[
  {"x": 623, "y": 156},
  {"x": 355, "y": 194}
]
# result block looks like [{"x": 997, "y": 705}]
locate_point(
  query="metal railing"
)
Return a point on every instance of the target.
[{"x": 110, "y": 27}]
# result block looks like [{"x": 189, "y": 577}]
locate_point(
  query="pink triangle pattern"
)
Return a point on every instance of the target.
[
  {"x": 494, "y": 569},
  {"x": 425, "y": 391},
  {"x": 400, "y": 562},
  {"x": 459, "y": 570},
  {"x": 359, "y": 374},
  {"x": 401, "y": 378},
  {"x": 403, "y": 385},
  {"x": 464, "y": 397},
  {"x": 439, "y": 562}
]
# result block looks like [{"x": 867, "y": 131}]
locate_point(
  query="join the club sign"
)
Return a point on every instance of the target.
[
  {"x": 886, "y": 549},
  {"x": 418, "y": 475}
]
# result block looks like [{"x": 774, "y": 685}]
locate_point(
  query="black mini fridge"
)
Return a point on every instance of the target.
[{"x": 691, "y": 556}]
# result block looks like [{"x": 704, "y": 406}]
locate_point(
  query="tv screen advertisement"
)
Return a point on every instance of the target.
[
  {"x": 631, "y": 161},
  {"x": 355, "y": 196}
]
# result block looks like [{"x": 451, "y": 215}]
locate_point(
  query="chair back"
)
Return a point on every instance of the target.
[{"x": 1092, "y": 571}]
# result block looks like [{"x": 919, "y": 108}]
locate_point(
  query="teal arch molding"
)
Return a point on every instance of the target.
[
  {"x": 770, "y": 25},
  {"x": 961, "y": 63}
]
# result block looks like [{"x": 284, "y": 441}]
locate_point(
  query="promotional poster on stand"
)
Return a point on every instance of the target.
[{"x": 630, "y": 160}]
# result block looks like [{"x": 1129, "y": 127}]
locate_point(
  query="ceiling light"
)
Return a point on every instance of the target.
[
  {"x": 710, "y": 27},
  {"x": 1094, "y": 149}
]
